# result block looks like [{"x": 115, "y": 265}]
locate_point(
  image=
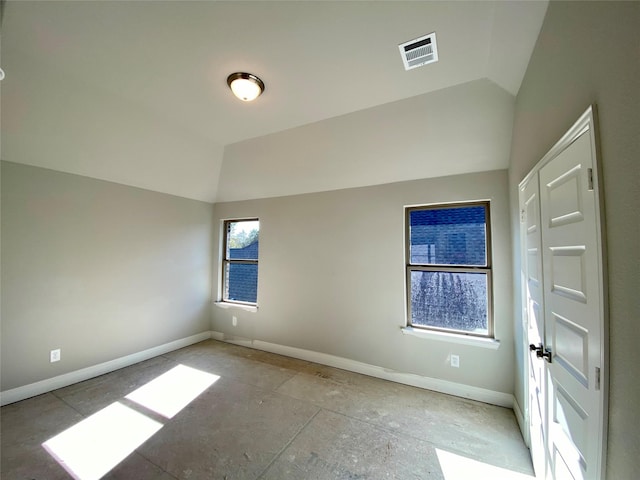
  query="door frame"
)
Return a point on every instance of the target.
[{"x": 587, "y": 121}]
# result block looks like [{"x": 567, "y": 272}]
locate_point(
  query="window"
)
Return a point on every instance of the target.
[
  {"x": 240, "y": 261},
  {"x": 448, "y": 267}
]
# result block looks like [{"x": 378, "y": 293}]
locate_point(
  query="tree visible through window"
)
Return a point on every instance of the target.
[
  {"x": 448, "y": 268},
  {"x": 240, "y": 262}
]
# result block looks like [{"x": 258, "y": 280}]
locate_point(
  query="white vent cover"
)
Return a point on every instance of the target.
[{"x": 419, "y": 51}]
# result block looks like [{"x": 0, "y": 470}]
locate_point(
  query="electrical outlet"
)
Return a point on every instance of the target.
[
  {"x": 234, "y": 321},
  {"x": 55, "y": 355},
  {"x": 455, "y": 361}
]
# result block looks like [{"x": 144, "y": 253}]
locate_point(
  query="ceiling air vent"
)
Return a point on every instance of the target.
[{"x": 419, "y": 51}]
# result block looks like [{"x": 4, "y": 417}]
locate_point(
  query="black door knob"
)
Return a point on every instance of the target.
[
  {"x": 541, "y": 352},
  {"x": 536, "y": 348}
]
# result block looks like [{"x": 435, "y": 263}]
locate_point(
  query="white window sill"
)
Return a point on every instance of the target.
[
  {"x": 248, "y": 308},
  {"x": 491, "y": 343}
]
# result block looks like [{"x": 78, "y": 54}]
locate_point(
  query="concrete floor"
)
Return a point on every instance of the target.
[{"x": 267, "y": 417}]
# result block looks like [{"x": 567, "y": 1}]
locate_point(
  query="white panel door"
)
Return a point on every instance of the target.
[
  {"x": 572, "y": 311},
  {"x": 565, "y": 313},
  {"x": 533, "y": 302}
]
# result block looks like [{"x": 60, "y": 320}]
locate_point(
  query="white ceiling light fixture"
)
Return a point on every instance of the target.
[{"x": 245, "y": 86}]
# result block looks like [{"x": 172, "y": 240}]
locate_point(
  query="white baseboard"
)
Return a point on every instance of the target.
[
  {"x": 521, "y": 423},
  {"x": 44, "y": 386},
  {"x": 438, "y": 385},
  {"x": 443, "y": 386}
]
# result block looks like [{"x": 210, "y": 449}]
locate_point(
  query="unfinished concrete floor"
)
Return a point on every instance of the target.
[{"x": 265, "y": 417}]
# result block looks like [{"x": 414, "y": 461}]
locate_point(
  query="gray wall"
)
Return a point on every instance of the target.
[
  {"x": 588, "y": 52},
  {"x": 97, "y": 269},
  {"x": 331, "y": 277},
  {"x": 395, "y": 142}
]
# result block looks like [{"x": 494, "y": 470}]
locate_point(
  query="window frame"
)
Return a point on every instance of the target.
[
  {"x": 225, "y": 261},
  {"x": 455, "y": 268}
]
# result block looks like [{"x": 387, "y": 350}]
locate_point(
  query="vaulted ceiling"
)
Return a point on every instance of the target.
[{"x": 135, "y": 92}]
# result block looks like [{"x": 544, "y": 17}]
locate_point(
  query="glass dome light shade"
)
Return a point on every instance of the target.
[{"x": 245, "y": 86}]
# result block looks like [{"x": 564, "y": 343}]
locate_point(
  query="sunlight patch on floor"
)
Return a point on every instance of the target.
[
  {"x": 457, "y": 467},
  {"x": 172, "y": 391},
  {"x": 92, "y": 447}
]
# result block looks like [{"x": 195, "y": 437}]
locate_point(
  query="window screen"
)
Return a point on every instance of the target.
[
  {"x": 240, "y": 262},
  {"x": 448, "y": 268}
]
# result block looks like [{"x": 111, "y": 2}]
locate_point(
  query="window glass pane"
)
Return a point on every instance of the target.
[
  {"x": 242, "y": 282},
  {"x": 243, "y": 240},
  {"x": 448, "y": 236},
  {"x": 456, "y": 301}
]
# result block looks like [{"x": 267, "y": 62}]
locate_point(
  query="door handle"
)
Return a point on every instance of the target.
[
  {"x": 538, "y": 349},
  {"x": 541, "y": 352}
]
